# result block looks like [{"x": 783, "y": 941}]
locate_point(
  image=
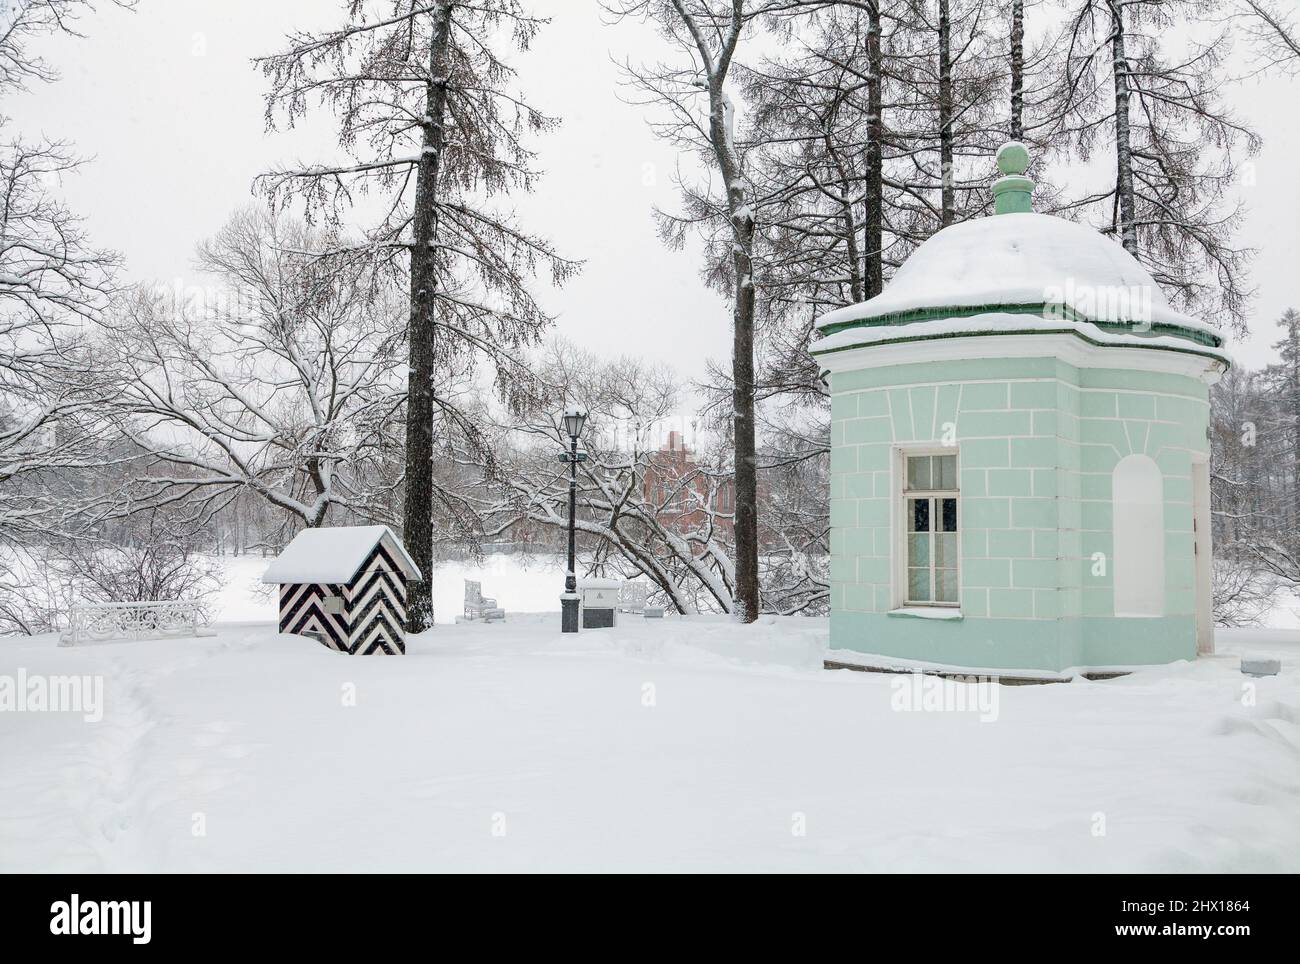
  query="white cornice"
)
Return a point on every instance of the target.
[{"x": 1065, "y": 347}]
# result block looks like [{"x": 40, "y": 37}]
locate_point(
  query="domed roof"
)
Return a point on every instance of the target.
[{"x": 1020, "y": 273}]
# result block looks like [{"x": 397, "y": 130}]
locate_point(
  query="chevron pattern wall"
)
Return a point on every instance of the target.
[
  {"x": 372, "y": 609},
  {"x": 376, "y": 601},
  {"x": 302, "y": 610}
]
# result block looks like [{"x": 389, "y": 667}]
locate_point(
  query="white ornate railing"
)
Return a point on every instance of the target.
[
  {"x": 632, "y": 597},
  {"x": 134, "y": 620}
]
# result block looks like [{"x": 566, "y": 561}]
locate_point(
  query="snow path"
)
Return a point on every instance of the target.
[{"x": 510, "y": 747}]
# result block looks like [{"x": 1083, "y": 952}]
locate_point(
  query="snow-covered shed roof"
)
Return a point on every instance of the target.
[
  {"x": 335, "y": 555},
  {"x": 1053, "y": 273}
]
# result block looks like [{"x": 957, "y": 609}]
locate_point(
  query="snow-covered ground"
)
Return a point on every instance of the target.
[{"x": 686, "y": 744}]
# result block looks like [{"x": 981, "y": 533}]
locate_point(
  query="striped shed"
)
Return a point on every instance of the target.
[{"x": 346, "y": 588}]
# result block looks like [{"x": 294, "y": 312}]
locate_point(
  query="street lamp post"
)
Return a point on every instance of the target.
[{"x": 573, "y": 421}]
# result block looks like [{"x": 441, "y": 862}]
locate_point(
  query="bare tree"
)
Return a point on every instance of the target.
[
  {"x": 833, "y": 223},
  {"x": 23, "y": 21},
  {"x": 1252, "y": 486},
  {"x": 655, "y": 497},
  {"x": 951, "y": 124},
  {"x": 1272, "y": 27},
  {"x": 52, "y": 280},
  {"x": 1243, "y": 593},
  {"x": 1017, "y": 70},
  {"x": 811, "y": 113},
  {"x": 640, "y": 511},
  {"x": 1128, "y": 84},
  {"x": 158, "y": 561},
  {"x": 695, "y": 93},
  {"x": 428, "y": 121},
  {"x": 33, "y": 597},
  {"x": 868, "y": 131},
  {"x": 143, "y": 558},
  {"x": 795, "y": 517},
  {"x": 1280, "y": 382},
  {"x": 875, "y": 245},
  {"x": 285, "y": 381},
  {"x": 51, "y": 277}
]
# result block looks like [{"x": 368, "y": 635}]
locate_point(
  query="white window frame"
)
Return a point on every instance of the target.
[{"x": 901, "y": 521}]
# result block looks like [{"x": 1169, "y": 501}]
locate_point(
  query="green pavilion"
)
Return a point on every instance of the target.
[{"x": 1020, "y": 455}]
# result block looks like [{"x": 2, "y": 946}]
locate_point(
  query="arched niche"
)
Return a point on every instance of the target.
[{"x": 1138, "y": 519}]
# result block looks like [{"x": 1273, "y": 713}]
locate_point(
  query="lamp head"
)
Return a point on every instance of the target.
[{"x": 573, "y": 421}]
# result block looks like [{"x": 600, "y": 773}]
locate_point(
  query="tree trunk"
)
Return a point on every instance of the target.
[
  {"x": 745, "y": 524},
  {"x": 417, "y": 516},
  {"x": 1017, "y": 70},
  {"x": 873, "y": 223},
  {"x": 1127, "y": 226},
  {"x": 742, "y": 369},
  {"x": 852, "y": 252},
  {"x": 947, "y": 203},
  {"x": 1293, "y": 357}
]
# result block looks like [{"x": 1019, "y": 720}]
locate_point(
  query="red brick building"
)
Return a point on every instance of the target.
[{"x": 673, "y": 481}]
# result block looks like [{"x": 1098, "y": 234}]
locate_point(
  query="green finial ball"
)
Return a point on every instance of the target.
[{"x": 1013, "y": 158}]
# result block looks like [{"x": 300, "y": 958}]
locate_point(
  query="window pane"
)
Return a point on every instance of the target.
[
  {"x": 918, "y": 472},
  {"x": 945, "y": 585},
  {"x": 945, "y": 550},
  {"x": 918, "y": 585},
  {"x": 949, "y": 515},
  {"x": 918, "y": 515},
  {"x": 918, "y": 550},
  {"x": 946, "y": 471}
]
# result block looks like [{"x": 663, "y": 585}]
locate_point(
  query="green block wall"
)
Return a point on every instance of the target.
[{"x": 1037, "y": 442}]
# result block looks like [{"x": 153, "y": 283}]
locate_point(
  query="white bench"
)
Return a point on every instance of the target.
[
  {"x": 476, "y": 604},
  {"x": 135, "y": 620}
]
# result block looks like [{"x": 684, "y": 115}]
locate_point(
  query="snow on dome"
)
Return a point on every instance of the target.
[
  {"x": 333, "y": 555},
  {"x": 1021, "y": 259}
]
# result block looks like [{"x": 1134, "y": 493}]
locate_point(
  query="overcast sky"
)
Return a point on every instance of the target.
[{"x": 166, "y": 103}]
